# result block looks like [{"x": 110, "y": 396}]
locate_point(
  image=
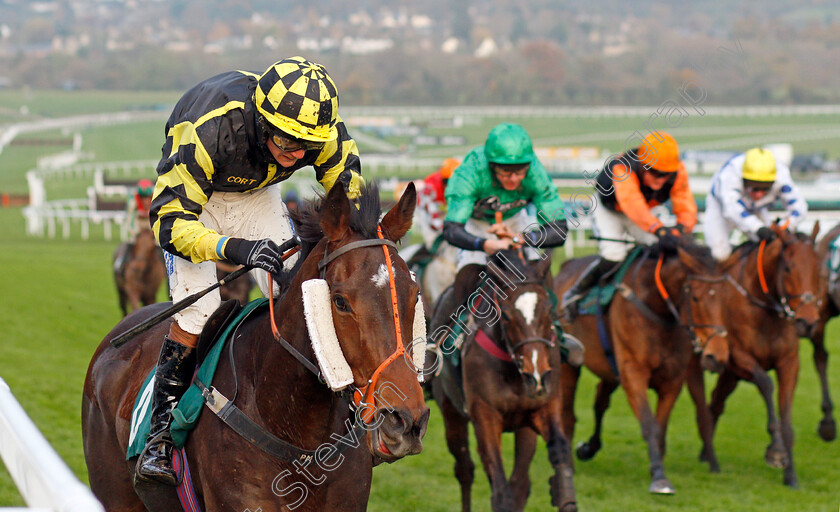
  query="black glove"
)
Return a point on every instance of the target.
[
  {"x": 765, "y": 233},
  {"x": 668, "y": 241},
  {"x": 264, "y": 254}
]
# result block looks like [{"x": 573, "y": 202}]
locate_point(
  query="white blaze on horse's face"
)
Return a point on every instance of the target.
[
  {"x": 534, "y": 359},
  {"x": 527, "y": 305},
  {"x": 381, "y": 279}
]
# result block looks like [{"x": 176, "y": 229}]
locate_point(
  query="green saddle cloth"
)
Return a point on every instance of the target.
[
  {"x": 599, "y": 297},
  {"x": 186, "y": 414}
]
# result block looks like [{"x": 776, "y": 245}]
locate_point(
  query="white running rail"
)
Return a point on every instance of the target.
[{"x": 44, "y": 480}]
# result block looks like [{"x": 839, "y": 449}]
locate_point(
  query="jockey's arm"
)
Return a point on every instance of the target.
[
  {"x": 339, "y": 161},
  {"x": 792, "y": 198},
  {"x": 682, "y": 202},
  {"x": 632, "y": 203},
  {"x": 456, "y": 234}
]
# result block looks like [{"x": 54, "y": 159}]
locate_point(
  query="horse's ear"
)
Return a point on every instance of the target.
[
  {"x": 397, "y": 221},
  {"x": 690, "y": 262},
  {"x": 335, "y": 213},
  {"x": 815, "y": 231},
  {"x": 543, "y": 268}
]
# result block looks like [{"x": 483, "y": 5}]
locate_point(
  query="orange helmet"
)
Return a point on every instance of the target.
[
  {"x": 659, "y": 151},
  {"x": 448, "y": 167}
]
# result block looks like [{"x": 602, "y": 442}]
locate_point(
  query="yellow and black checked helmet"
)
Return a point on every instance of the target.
[{"x": 299, "y": 97}]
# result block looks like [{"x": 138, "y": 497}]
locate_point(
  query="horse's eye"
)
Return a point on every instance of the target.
[{"x": 341, "y": 304}]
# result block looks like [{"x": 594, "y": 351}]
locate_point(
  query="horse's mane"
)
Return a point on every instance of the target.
[
  {"x": 363, "y": 220},
  {"x": 701, "y": 253}
]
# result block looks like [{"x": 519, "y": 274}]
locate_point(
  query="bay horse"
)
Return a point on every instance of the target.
[
  {"x": 830, "y": 308},
  {"x": 772, "y": 300},
  {"x": 273, "y": 380},
  {"x": 138, "y": 271},
  {"x": 506, "y": 381},
  {"x": 665, "y": 308}
]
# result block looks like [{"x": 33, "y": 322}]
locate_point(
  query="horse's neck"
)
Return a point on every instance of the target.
[
  {"x": 750, "y": 272},
  {"x": 288, "y": 396}
]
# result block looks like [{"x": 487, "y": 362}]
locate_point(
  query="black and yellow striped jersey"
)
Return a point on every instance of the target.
[{"x": 214, "y": 142}]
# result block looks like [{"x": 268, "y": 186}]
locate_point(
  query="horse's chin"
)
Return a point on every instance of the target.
[{"x": 380, "y": 450}]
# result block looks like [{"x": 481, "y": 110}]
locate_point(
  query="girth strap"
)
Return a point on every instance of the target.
[{"x": 258, "y": 436}]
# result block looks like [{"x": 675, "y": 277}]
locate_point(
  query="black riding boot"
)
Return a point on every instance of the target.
[
  {"x": 590, "y": 276},
  {"x": 173, "y": 375}
]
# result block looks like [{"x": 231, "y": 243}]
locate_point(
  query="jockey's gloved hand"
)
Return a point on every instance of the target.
[
  {"x": 765, "y": 233},
  {"x": 669, "y": 239},
  {"x": 264, "y": 254}
]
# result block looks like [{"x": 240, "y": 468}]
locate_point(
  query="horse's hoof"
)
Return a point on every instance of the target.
[
  {"x": 662, "y": 486},
  {"x": 828, "y": 429},
  {"x": 704, "y": 456},
  {"x": 569, "y": 507},
  {"x": 585, "y": 451},
  {"x": 776, "y": 458},
  {"x": 790, "y": 481}
]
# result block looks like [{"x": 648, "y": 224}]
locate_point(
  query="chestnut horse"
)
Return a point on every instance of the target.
[
  {"x": 664, "y": 309},
  {"x": 372, "y": 304},
  {"x": 138, "y": 271},
  {"x": 506, "y": 381},
  {"x": 773, "y": 300},
  {"x": 829, "y": 309}
]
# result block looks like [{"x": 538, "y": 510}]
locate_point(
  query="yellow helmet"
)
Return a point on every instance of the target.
[
  {"x": 299, "y": 97},
  {"x": 759, "y": 165}
]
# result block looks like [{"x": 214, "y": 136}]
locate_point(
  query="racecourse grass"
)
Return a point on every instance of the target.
[{"x": 58, "y": 301}]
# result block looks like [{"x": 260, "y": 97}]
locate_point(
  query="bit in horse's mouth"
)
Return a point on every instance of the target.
[{"x": 382, "y": 448}]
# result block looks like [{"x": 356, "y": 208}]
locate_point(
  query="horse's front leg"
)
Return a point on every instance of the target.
[
  {"x": 586, "y": 450},
  {"x": 548, "y": 422},
  {"x": 705, "y": 424},
  {"x": 787, "y": 371},
  {"x": 520, "y": 481},
  {"x": 635, "y": 382},
  {"x": 488, "y": 433},
  {"x": 776, "y": 454},
  {"x": 828, "y": 427},
  {"x": 458, "y": 441}
]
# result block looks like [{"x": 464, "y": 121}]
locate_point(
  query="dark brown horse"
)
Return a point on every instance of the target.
[
  {"x": 772, "y": 300},
  {"x": 829, "y": 309},
  {"x": 138, "y": 271},
  {"x": 506, "y": 381},
  {"x": 649, "y": 334},
  {"x": 370, "y": 302}
]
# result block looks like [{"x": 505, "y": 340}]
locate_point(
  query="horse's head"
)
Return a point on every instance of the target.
[
  {"x": 526, "y": 319},
  {"x": 700, "y": 304},
  {"x": 797, "y": 271},
  {"x": 367, "y": 299}
]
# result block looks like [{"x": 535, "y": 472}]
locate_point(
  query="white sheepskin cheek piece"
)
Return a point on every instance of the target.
[
  {"x": 319, "y": 321},
  {"x": 418, "y": 349}
]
